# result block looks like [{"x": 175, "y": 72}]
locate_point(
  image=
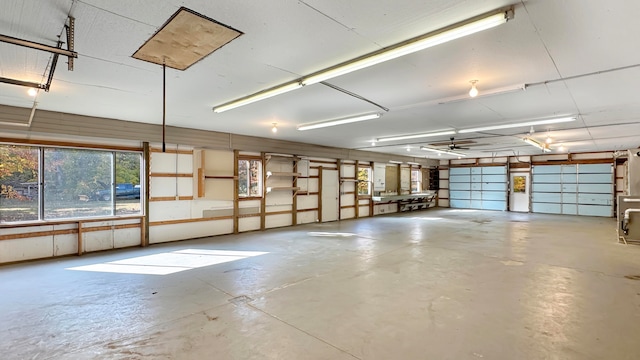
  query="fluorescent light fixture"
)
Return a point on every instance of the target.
[
  {"x": 395, "y": 162},
  {"x": 416, "y": 136},
  {"x": 509, "y": 126},
  {"x": 322, "y": 124},
  {"x": 446, "y": 152},
  {"x": 258, "y": 96},
  {"x": 425, "y": 41},
  {"x": 449, "y": 33},
  {"x": 532, "y": 142}
]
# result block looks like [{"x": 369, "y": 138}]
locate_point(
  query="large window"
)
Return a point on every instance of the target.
[
  {"x": 48, "y": 183},
  {"x": 249, "y": 178},
  {"x": 364, "y": 181}
]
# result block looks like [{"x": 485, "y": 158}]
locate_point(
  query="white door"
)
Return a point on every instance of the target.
[
  {"x": 329, "y": 195},
  {"x": 519, "y": 196}
]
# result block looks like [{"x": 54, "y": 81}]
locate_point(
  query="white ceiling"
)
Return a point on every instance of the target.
[{"x": 578, "y": 57}]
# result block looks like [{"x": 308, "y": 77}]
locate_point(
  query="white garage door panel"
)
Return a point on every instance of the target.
[{"x": 459, "y": 186}]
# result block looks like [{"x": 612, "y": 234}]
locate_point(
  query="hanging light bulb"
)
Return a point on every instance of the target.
[
  {"x": 474, "y": 91},
  {"x": 274, "y": 129},
  {"x": 561, "y": 148},
  {"x": 408, "y": 149},
  {"x": 373, "y": 143},
  {"x": 32, "y": 92},
  {"x": 549, "y": 140}
]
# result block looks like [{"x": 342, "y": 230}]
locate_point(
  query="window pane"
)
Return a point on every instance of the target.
[
  {"x": 255, "y": 178},
  {"x": 364, "y": 185},
  {"x": 18, "y": 183},
  {"x": 72, "y": 178},
  {"x": 243, "y": 179},
  {"x": 416, "y": 180},
  {"x": 127, "y": 183}
]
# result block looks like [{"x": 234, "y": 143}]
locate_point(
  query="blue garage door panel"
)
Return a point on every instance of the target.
[
  {"x": 595, "y": 178},
  {"x": 479, "y": 187},
  {"x": 570, "y": 209},
  {"x": 494, "y": 179},
  {"x": 459, "y": 178},
  {"x": 494, "y": 205},
  {"x": 461, "y": 195},
  {"x": 569, "y": 198},
  {"x": 595, "y": 199},
  {"x": 583, "y": 189},
  {"x": 459, "y": 186},
  {"x": 546, "y": 208},
  {"x": 494, "y": 170},
  {"x": 493, "y": 195},
  {"x": 460, "y": 204},
  {"x": 459, "y": 171},
  {"x": 546, "y": 197},
  {"x": 495, "y": 186},
  {"x": 595, "y": 169},
  {"x": 596, "y": 188},
  {"x": 548, "y": 178},
  {"x": 595, "y": 210},
  {"x": 546, "y": 187},
  {"x": 547, "y": 169}
]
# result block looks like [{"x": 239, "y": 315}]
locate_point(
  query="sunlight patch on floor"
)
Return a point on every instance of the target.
[{"x": 170, "y": 262}]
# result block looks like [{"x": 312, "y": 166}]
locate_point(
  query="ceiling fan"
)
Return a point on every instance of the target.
[{"x": 454, "y": 145}]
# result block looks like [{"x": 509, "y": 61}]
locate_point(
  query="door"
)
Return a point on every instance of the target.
[
  {"x": 519, "y": 197},
  {"x": 479, "y": 187},
  {"x": 328, "y": 195}
]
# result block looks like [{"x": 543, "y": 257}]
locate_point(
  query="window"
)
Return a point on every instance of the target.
[
  {"x": 249, "y": 178},
  {"x": 19, "y": 183},
  {"x": 47, "y": 183},
  {"x": 364, "y": 181},
  {"x": 416, "y": 180}
]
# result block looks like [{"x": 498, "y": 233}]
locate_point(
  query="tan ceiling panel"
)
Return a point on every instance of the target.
[{"x": 186, "y": 38}]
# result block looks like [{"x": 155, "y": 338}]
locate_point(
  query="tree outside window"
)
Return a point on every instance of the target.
[
  {"x": 249, "y": 178},
  {"x": 364, "y": 181}
]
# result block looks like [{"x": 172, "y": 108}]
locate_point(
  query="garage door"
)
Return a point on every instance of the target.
[
  {"x": 482, "y": 187},
  {"x": 582, "y": 189}
]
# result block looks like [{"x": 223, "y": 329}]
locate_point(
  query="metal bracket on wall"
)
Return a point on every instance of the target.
[{"x": 55, "y": 50}]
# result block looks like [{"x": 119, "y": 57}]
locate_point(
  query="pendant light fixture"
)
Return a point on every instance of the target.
[{"x": 474, "y": 90}]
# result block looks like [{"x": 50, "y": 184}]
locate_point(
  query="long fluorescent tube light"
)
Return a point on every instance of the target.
[
  {"x": 449, "y": 33},
  {"x": 258, "y": 96},
  {"x": 446, "y": 152},
  {"x": 437, "y": 37},
  {"x": 322, "y": 124},
  {"x": 536, "y": 144},
  {"x": 395, "y": 162},
  {"x": 416, "y": 136},
  {"x": 509, "y": 126}
]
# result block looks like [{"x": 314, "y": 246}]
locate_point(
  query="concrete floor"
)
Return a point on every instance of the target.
[{"x": 435, "y": 284}]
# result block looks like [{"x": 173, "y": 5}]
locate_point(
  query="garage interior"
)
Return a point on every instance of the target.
[{"x": 313, "y": 180}]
